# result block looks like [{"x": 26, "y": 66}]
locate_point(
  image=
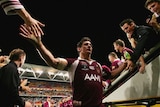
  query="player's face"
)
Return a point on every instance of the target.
[{"x": 86, "y": 47}]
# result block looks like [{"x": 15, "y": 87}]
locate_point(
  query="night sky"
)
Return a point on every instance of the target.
[{"x": 67, "y": 21}]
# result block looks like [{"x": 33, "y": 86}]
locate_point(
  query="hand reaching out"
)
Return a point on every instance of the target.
[
  {"x": 35, "y": 26},
  {"x": 23, "y": 85},
  {"x": 130, "y": 65},
  {"x": 29, "y": 34},
  {"x": 32, "y": 23}
]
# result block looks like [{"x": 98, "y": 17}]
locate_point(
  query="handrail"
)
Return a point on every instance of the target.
[
  {"x": 145, "y": 101},
  {"x": 126, "y": 75}
]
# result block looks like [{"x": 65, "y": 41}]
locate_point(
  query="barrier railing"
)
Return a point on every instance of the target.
[
  {"x": 145, "y": 102},
  {"x": 126, "y": 75}
]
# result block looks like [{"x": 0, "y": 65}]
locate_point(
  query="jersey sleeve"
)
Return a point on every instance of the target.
[{"x": 10, "y": 5}]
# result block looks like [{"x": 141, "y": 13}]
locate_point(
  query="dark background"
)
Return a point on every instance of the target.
[{"x": 67, "y": 21}]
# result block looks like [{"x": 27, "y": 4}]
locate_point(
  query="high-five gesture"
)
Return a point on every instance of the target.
[{"x": 29, "y": 34}]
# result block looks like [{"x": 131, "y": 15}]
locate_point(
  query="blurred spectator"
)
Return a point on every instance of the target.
[{"x": 47, "y": 103}]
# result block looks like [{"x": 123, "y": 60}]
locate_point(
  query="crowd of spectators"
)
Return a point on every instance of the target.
[{"x": 58, "y": 91}]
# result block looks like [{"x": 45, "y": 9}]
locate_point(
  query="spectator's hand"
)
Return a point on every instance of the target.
[
  {"x": 148, "y": 20},
  {"x": 24, "y": 82},
  {"x": 35, "y": 26},
  {"x": 23, "y": 85},
  {"x": 142, "y": 68},
  {"x": 4, "y": 59},
  {"x": 104, "y": 83},
  {"x": 153, "y": 22},
  {"x": 26, "y": 88},
  {"x": 130, "y": 65},
  {"x": 129, "y": 35}
]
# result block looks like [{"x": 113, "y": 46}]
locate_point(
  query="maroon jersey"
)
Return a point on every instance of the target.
[
  {"x": 115, "y": 64},
  {"x": 67, "y": 104},
  {"x": 86, "y": 79}
]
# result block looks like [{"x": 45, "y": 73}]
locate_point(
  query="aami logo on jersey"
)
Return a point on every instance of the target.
[{"x": 92, "y": 77}]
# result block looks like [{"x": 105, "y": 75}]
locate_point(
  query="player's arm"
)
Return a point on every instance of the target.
[{"x": 46, "y": 55}]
